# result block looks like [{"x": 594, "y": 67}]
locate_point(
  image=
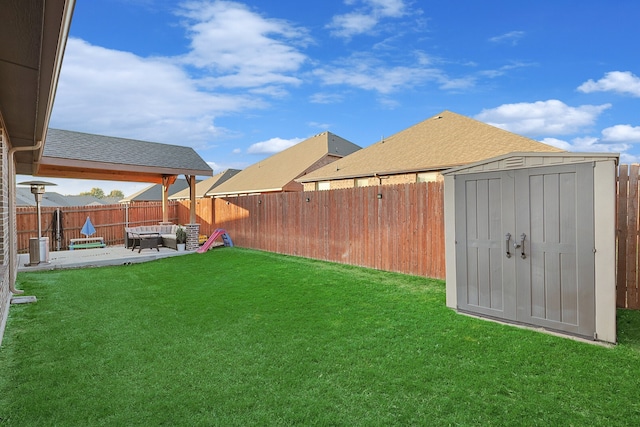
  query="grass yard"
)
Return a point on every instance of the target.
[{"x": 237, "y": 338}]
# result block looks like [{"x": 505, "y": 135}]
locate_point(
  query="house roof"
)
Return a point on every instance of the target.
[
  {"x": 69, "y": 154},
  {"x": 440, "y": 142},
  {"x": 278, "y": 172},
  {"x": 33, "y": 37},
  {"x": 154, "y": 192},
  {"x": 206, "y": 185},
  {"x": 53, "y": 199}
]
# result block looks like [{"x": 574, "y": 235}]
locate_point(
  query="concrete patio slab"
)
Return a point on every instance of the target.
[{"x": 96, "y": 257}]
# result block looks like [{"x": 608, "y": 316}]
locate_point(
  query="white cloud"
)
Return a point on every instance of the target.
[
  {"x": 273, "y": 145},
  {"x": 240, "y": 47},
  {"x": 118, "y": 93},
  {"x": 587, "y": 144},
  {"x": 622, "y": 133},
  {"x": 542, "y": 117},
  {"x": 176, "y": 99},
  {"x": 623, "y": 82},
  {"x": 559, "y": 143},
  {"x": 366, "y": 17},
  {"x": 615, "y": 139},
  {"x": 351, "y": 24},
  {"x": 511, "y": 37}
]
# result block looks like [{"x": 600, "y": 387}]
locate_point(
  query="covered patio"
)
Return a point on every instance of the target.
[{"x": 69, "y": 154}]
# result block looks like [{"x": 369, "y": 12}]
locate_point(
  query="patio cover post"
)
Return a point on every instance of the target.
[{"x": 191, "y": 179}]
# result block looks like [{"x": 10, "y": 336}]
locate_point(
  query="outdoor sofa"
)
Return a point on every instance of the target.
[{"x": 167, "y": 235}]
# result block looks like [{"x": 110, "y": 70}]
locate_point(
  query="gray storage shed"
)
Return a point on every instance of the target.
[{"x": 530, "y": 239}]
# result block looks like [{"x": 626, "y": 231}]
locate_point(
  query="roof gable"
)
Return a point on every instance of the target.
[
  {"x": 275, "y": 173},
  {"x": 206, "y": 185},
  {"x": 154, "y": 192},
  {"x": 440, "y": 142}
]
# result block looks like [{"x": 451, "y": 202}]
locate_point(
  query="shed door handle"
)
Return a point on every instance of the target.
[
  {"x": 508, "y": 238},
  {"x": 522, "y": 237}
]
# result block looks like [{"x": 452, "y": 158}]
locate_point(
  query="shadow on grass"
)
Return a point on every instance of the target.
[{"x": 629, "y": 328}]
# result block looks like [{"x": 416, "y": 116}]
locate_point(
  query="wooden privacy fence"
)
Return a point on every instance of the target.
[
  {"x": 108, "y": 220},
  {"x": 392, "y": 227},
  {"x": 396, "y": 228},
  {"x": 628, "y": 295}
]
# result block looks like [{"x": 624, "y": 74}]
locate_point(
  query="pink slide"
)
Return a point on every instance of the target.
[{"x": 219, "y": 232}]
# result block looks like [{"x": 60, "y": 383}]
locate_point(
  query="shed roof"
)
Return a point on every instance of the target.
[
  {"x": 278, "y": 172},
  {"x": 69, "y": 154},
  {"x": 440, "y": 142},
  {"x": 206, "y": 185},
  {"x": 519, "y": 160}
]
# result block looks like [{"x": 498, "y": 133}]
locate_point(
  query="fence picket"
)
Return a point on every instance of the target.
[
  {"x": 632, "y": 238},
  {"x": 623, "y": 190}
]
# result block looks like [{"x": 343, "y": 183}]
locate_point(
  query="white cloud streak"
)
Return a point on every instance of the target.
[
  {"x": 622, "y": 82},
  {"x": 512, "y": 37},
  {"x": 366, "y": 72},
  {"x": 365, "y": 18}
]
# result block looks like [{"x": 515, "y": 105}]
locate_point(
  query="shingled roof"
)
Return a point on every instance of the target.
[
  {"x": 278, "y": 172},
  {"x": 154, "y": 192},
  {"x": 440, "y": 142},
  {"x": 69, "y": 154},
  {"x": 205, "y": 186}
]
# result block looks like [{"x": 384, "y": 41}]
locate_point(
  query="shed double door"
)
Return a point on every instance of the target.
[{"x": 525, "y": 246}]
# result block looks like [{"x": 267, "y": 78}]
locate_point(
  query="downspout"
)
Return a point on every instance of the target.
[{"x": 13, "y": 250}]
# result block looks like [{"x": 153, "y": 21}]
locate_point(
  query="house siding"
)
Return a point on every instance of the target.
[{"x": 404, "y": 178}]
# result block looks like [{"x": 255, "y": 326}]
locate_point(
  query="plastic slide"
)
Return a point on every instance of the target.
[{"x": 218, "y": 232}]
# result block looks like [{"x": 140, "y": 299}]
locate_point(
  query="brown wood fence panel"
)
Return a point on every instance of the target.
[
  {"x": 108, "y": 220},
  {"x": 396, "y": 228},
  {"x": 627, "y": 293}
]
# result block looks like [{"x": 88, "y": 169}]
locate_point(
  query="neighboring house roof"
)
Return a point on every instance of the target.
[
  {"x": 206, "y": 185},
  {"x": 82, "y": 200},
  {"x": 440, "y": 142},
  {"x": 69, "y": 154},
  {"x": 57, "y": 200},
  {"x": 110, "y": 200},
  {"x": 154, "y": 192},
  {"x": 24, "y": 197},
  {"x": 278, "y": 172}
]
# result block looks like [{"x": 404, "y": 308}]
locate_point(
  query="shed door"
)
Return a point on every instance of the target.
[{"x": 548, "y": 212}]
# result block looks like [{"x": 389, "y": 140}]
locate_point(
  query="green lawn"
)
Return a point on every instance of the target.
[{"x": 237, "y": 338}]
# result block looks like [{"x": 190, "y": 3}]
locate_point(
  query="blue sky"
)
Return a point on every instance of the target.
[{"x": 241, "y": 80}]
